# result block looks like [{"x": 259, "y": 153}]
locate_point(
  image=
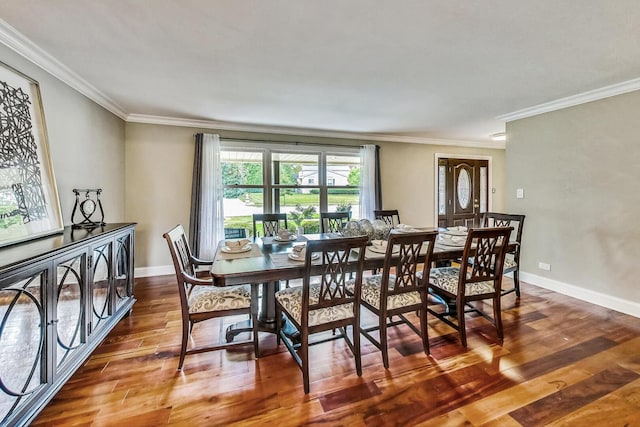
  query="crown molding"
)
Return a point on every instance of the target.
[
  {"x": 285, "y": 130},
  {"x": 15, "y": 41},
  {"x": 570, "y": 101}
]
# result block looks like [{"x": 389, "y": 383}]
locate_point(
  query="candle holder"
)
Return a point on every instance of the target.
[{"x": 86, "y": 208}]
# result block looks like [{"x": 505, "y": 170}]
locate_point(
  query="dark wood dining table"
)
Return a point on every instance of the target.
[{"x": 267, "y": 263}]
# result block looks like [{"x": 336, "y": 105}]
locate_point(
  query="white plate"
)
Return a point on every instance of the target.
[
  {"x": 290, "y": 239},
  {"x": 228, "y": 250},
  {"x": 382, "y": 249},
  {"x": 294, "y": 257}
]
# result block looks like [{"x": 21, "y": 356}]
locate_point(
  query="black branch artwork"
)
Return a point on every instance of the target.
[{"x": 20, "y": 173}]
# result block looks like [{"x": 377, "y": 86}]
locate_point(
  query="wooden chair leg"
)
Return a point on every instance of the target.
[
  {"x": 356, "y": 346},
  {"x": 497, "y": 316},
  {"x": 186, "y": 329},
  {"x": 462, "y": 329},
  {"x": 516, "y": 281},
  {"x": 423, "y": 330},
  {"x": 304, "y": 355},
  {"x": 254, "y": 319},
  {"x": 383, "y": 341},
  {"x": 278, "y": 323}
]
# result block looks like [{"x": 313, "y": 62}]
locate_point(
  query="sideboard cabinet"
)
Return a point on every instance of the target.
[{"x": 59, "y": 298}]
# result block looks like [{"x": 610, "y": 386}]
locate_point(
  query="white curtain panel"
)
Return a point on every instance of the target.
[
  {"x": 367, "y": 181},
  {"x": 211, "y": 210}
]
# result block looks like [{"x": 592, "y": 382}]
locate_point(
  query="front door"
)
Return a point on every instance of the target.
[{"x": 462, "y": 191}]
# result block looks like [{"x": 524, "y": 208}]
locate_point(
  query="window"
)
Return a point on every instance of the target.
[
  {"x": 261, "y": 178},
  {"x": 442, "y": 190}
]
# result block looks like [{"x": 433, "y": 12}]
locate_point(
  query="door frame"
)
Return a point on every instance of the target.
[{"x": 438, "y": 156}]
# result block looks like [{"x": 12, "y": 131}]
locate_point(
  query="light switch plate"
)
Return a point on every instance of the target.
[{"x": 520, "y": 193}]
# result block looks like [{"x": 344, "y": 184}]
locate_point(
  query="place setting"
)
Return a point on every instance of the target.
[
  {"x": 285, "y": 236},
  {"x": 299, "y": 253},
  {"x": 237, "y": 248}
]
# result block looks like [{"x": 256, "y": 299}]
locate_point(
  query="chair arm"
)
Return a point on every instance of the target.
[
  {"x": 196, "y": 281},
  {"x": 198, "y": 261}
]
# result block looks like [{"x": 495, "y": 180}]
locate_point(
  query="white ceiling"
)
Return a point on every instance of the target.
[{"x": 423, "y": 68}]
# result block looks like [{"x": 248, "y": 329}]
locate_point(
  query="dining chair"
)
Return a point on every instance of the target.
[
  {"x": 333, "y": 222},
  {"x": 200, "y": 300},
  {"x": 391, "y": 217},
  {"x": 478, "y": 278},
  {"x": 398, "y": 289},
  {"x": 324, "y": 304},
  {"x": 235, "y": 233},
  {"x": 512, "y": 258},
  {"x": 271, "y": 223}
]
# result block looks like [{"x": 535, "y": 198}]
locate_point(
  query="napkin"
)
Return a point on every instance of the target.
[
  {"x": 236, "y": 244},
  {"x": 284, "y": 234},
  {"x": 299, "y": 251},
  {"x": 458, "y": 228}
]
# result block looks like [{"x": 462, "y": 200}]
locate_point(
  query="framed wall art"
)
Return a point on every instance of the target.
[{"x": 29, "y": 204}]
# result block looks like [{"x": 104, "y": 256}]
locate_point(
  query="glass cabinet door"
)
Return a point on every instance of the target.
[
  {"x": 70, "y": 306},
  {"x": 100, "y": 287},
  {"x": 23, "y": 334},
  {"x": 123, "y": 273}
]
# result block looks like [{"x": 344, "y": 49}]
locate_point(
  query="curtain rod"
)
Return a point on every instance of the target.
[{"x": 289, "y": 142}]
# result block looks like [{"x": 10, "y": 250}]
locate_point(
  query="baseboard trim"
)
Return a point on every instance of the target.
[
  {"x": 593, "y": 297},
  {"x": 159, "y": 270}
]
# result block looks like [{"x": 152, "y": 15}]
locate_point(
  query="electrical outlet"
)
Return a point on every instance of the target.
[
  {"x": 520, "y": 193},
  {"x": 544, "y": 266}
]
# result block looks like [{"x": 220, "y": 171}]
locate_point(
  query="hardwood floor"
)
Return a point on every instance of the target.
[{"x": 563, "y": 362}]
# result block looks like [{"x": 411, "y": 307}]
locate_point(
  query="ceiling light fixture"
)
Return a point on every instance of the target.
[{"x": 499, "y": 136}]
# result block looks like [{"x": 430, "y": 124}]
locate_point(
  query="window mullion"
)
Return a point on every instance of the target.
[
  {"x": 268, "y": 188},
  {"x": 322, "y": 177}
]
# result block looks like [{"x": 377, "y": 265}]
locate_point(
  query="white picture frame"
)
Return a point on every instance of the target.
[{"x": 29, "y": 203}]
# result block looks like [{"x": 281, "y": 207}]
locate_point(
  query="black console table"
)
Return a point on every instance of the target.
[{"x": 59, "y": 298}]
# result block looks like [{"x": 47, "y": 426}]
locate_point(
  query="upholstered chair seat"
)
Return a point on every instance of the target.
[
  {"x": 291, "y": 301},
  {"x": 371, "y": 293},
  {"x": 446, "y": 278},
  {"x": 209, "y": 298},
  {"x": 509, "y": 263}
]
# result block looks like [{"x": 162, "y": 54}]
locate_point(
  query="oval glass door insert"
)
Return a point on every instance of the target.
[{"x": 464, "y": 188}]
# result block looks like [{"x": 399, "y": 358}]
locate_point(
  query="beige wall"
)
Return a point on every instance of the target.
[
  {"x": 86, "y": 141},
  {"x": 579, "y": 168},
  {"x": 160, "y": 161},
  {"x": 408, "y": 178}
]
